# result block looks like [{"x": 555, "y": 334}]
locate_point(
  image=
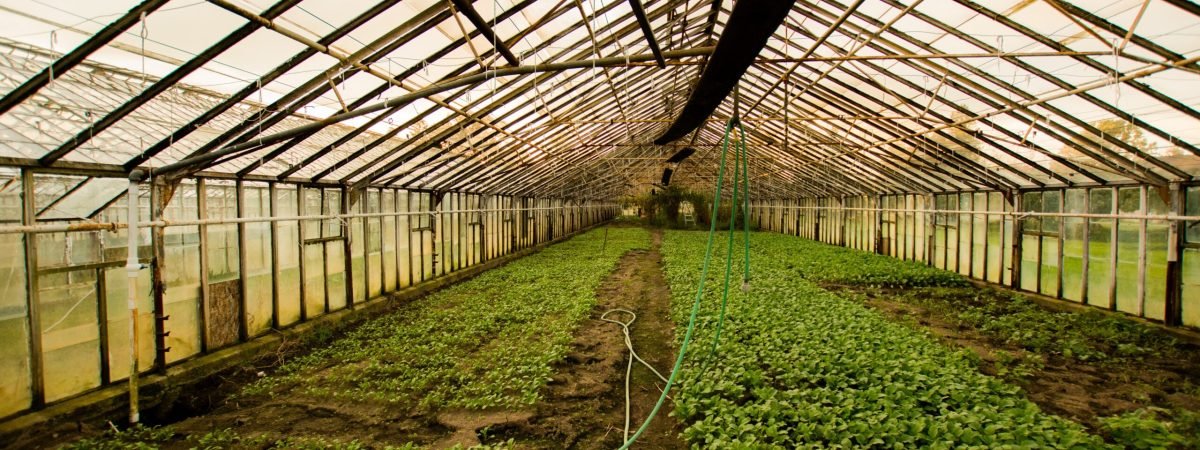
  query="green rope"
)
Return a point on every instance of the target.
[{"x": 712, "y": 228}]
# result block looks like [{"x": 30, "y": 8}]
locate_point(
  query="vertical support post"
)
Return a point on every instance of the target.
[
  {"x": 33, "y": 308},
  {"x": 1087, "y": 247},
  {"x": 301, "y": 229},
  {"x": 1062, "y": 241},
  {"x": 102, "y": 325},
  {"x": 243, "y": 281},
  {"x": 274, "y": 228},
  {"x": 347, "y": 251},
  {"x": 205, "y": 290},
  {"x": 879, "y": 224},
  {"x": 1173, "y": 316},
  {"x": 158, "y": 285},
  {"x": 132, "y": 267},
  {"x": 1115, "y": 234},
  {"x": 1141, "y": 280},
  {"x": 1018, "y": 204}
]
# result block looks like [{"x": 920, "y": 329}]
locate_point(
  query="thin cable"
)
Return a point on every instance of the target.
[{"x": 632, "y": 356}]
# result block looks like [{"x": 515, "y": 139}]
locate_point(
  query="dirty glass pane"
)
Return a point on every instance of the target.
[
  {"x": 1128, "y": 242},
  {"x": 1156, "y": 257},
  {"x": 1073, "y": 229},
  {"x": 995, "y": 241},
  {"x": 403, "y": 254},
  {"x": 224, "y": 290},
  {"x": 964, "y": 235},
  {"x": 1032, "y": 203},
  {"x": 1049, "y": 284},
  {"x": 181, "y": 272},
  {"x": 978, "y": 235},
  {"x": 117, "y": 282},
  {"x": 287, "y": 249},
  {"x": 260, "y": 276},
  {"x": 1100, "y": 262},
  {"x": 952, "y": 231},
  {"x": 388, "y": 239},
  {"x": 314, "y": 256},
  {"x": 1192, "y": 208},
  {"x": 1191, "y": 287},
  {"x": 68, "y": 303},
  {"x": 15, "y": 394},
  {"x": 939, "y": 233},
  {"x": 358, "y": 257},
  {"x": 1029, "y": 262},
  {"x": 374, "y": 244},
  {"x": 1051, "y": 203}
]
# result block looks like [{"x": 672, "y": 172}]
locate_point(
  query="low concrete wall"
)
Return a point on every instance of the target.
[{"x": 112, "y": 402}]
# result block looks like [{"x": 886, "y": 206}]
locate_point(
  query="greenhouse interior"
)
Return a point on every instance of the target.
[{"x": 599, "y": 224}]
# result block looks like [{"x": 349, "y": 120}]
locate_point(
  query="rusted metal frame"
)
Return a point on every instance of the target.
[
  {"x": 496, "y": 104},
  {"x": 915, "y": 175},
  {"x": 158, "y": 285},
  {"x": 966, "y": 165},
  {"x": 447, "y": 129},
  {"x": 310, "y": 90},
  {"x": 1187, "y": 5},
  {"x": 392, "y": 81},
  {"x": 829, "y": 30},
  {"x": 1058, "y": 7},
  {"x": 68, "y": 61},
  {"x": 1119, "y": 32},
  {"x": 563, "y": 97},
  {"x": 841, "y": 183},
  {"x": 976, "y": 89},
  {"x": 859, "y": 44},
  {"x": 1096, "y": 65},
  {"x": 188, "y": 164},
  {"x": 62, "y": 196},
  {"x": 728, "y": 63},
  {"x": 164, "y": 83},
  {"x": 382, "y": 116},
  {"x": 205, "y": 290},
  {"x": 1085, "y": 96},
  {"x": 243, "y": 279},
  {"x": 640, "y": 13},
  {"x": 251, "y": 88},
  {"x": 465, "y": 7},
  {"x": 549, "y": 173},
  {"x": 885, "y": 175},
  {"x": 881, "y": 174},
  {"x": 943, "y": 71},
  {"x": 33, "y": 321},
  {"x": 909, "y": 84},
  {"x": 466, "y": 35}
]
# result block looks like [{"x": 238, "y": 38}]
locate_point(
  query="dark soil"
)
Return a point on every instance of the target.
[
  {"x": 583, "y": 407},
  {"x": 1078, "y": 390}
]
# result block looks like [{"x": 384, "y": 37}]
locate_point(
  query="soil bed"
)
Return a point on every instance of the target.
[
  {"x": 1111, "y": 377},
  {"x": 583, "y": 407}
]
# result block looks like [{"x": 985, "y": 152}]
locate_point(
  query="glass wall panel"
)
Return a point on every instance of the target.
[
  {"x": 1051, "y": 203},
  {"x": 1100, "y": 248},
  {"x": 1155, "y": 303},
  {"x": 335, "y": 253},
  {"x": 287, "y": 263},
  {"x": 978, "y": 235},
  {"x": 314, "y": 256},
  {"x": 1191, "y": 260},
  {"x": 15, "y": 391},
  {"x": 181, "y": 272},
  {"x": 1128, "y": 249},
  {"x": 995, "y": 240},
  {"x": 388, "y": 239},
  {"x": 1073, "y": 245},
  {"x": 259, "y": 273}
]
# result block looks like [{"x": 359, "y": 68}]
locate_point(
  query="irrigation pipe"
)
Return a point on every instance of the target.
[
  {"x": 691, "y": 327},
  {"x": 632, "y": 356}
]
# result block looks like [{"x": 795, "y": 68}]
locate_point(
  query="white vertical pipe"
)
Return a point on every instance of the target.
[{"x": 132, "y": 267}]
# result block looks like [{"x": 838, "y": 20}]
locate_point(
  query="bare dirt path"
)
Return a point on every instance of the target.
[{"x": 583, "y": 407}]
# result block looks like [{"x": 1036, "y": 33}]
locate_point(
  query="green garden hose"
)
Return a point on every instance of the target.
[{"x": 687, "y": 337}]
